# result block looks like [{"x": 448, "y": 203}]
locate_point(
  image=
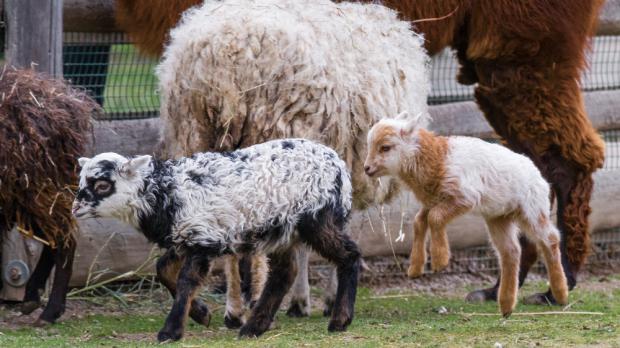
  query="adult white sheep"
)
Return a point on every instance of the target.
[{"x": 237, "y": 73}]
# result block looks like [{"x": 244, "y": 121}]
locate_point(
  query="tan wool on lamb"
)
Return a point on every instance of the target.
[{"x": 451, "y": 176}]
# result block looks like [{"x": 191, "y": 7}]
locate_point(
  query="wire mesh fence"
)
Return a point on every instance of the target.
[
  {"x": 115, "y": 74},
  {"x": 603, "y": 72},
  {"x": 123, "y": 81}
]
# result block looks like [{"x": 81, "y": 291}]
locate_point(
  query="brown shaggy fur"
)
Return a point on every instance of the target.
[
  {"x": 44, "y": 126},
  {"x": 526, "y": 56},
  {"x": 148, "y": 21}
]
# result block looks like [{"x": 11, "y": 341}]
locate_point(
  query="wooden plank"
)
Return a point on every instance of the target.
[
  {"x": 89, "y": 16},
  {"x": 35, "y": 34}
]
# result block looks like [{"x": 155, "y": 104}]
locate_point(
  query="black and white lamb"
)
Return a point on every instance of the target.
[{"x": 266, "y": 198}]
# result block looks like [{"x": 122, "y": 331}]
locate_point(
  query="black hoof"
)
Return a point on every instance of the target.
[
  {"x": 328, "y": 307},
  {"x": 338, "y": 325},
  {"x": 479, "y": 296},
  {"x": 540, "y": 299},
  {"x": 165, "y": 336},
  {"x": 232, "y": 322},
  {"x": 201, "y": 316},
  {"x": 250, "y": 331},
  {"x": 297, "y": 310},
  {"x": 29, "y": 307}
]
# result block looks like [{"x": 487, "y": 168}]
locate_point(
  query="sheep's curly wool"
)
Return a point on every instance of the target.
[
  {"x": 251, "y": 198},
  {"x": 237, "y": 73},
  {"x": 43, "y": 128}
]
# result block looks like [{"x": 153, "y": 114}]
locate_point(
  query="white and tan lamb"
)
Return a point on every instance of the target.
[{"x": 451, "y": 176}]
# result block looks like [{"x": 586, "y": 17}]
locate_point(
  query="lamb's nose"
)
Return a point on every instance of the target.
[{"x": 367, "y": 169}]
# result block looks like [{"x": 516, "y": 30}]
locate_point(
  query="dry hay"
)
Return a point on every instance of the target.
[{"x": 44, "y": 125}]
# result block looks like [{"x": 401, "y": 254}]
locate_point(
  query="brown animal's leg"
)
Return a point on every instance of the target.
[
  {"x": 168, "y": 267},
  {"x": 529, "y": 255},
  {"x": 234, "y": 303},
  {"x": 281, "y": 275},
  {"x": 438, "y": 218},
  {"x": 191, "y": 278},
  {"x": 325, "y": 233},
  {"x": 539, "y": 111},
  {"x": 300, "y": 292},
  {"x": 63, "y": 262},
  {"x": 546, "y": 236},
  {"x": 260, "y": 269},
  {"x": 504, "y": 236},
  {"x": 36, "y": 283},
  {"x": 417, "y": 259}
]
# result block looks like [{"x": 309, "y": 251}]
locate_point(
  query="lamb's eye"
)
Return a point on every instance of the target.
[
  {"x": 102, "y": 186},
  {"x": 385, "y": 148}
]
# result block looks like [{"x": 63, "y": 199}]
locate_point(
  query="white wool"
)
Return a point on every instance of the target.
[
  {"x": 226, "y": 199},
  {"x": 239, "y": 72},
  {"x": 495, "y": 180}
]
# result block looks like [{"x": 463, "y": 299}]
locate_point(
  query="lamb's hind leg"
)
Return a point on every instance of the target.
[
  {"x": 547, "y": 237},
  {"x": 417, "y": 259},
  {"x": 325, "y": 233},
  {"x": 168, "y": 267},
  {"x": 504, "y": 236}
]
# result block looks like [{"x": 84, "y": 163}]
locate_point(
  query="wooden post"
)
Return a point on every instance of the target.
[
  {"x": 35, "y": 34},
  {"x": 34, "y": 39}
]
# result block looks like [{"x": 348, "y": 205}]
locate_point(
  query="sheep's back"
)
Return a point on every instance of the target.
[{"x": 237, "y": 73}]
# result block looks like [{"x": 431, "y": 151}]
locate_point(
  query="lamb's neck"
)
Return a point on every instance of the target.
[
  {"x": 157, "y": 205},
  {"x": 424, "y": 169}
]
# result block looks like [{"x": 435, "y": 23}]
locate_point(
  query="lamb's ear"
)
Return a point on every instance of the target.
[
  {"x": 402, "y": 116},
  {"x": 133, "y": 165},
  {"x": 82, "y": 161},
  {"x": 410, "y": 124}
]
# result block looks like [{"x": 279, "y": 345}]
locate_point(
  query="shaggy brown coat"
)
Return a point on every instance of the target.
[{"x": 43, "y": 129}]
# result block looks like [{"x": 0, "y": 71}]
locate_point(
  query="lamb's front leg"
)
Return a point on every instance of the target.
[
  {"x": 281, "y": 275},
  {"x": 438, "y": 218},
  {"x": 168, "y": 268},
  {"x": 417, "y": 259},
  {"x": 191, "y": 277}
]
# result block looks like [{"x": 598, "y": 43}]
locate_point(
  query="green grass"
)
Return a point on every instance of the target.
[
  {"x": 131, "y": 83},
  {"x": 402, "y": 321}
]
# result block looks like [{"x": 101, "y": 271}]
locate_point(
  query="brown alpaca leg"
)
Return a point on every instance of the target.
[
  {"x": 438, "y": 218},
  {"x": 234, "y": 302},
  {"x": 417, "y": 259},
  {"x": 504, "y": 237}
]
